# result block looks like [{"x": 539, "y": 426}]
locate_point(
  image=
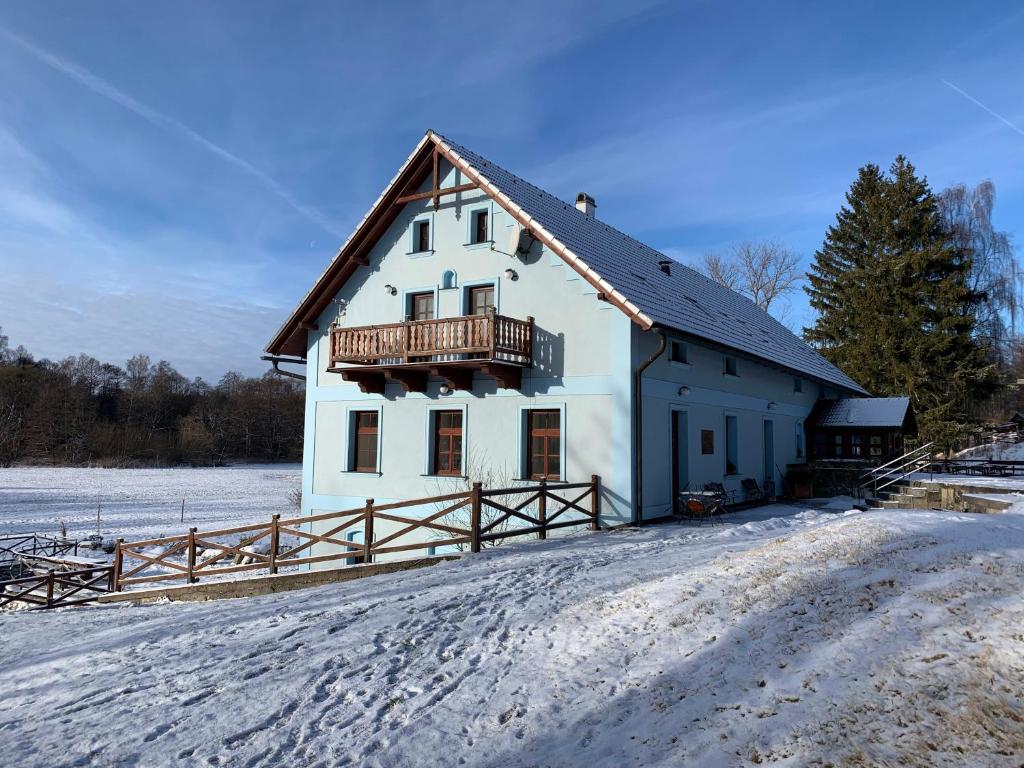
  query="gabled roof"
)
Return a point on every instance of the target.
[
  {"x": 863, "y": 412},
  {"x": 625, "y": 271}
]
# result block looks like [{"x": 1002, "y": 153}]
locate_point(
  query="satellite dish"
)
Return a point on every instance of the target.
[{"x": 520, "y": 241}]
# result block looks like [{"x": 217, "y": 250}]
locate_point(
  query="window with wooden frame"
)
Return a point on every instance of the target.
[
  {"x": 707, "y": 442},
  {"x": 479, "y": 232},
  {"x": 481, "y": 299},
  {"x": 365, "y": 431},
  {"x": 544, "y": 444},
  {"x": 421, "y": 306},
  {"x": 447, "y": 443},
  {"x": 421, "y": 236}
]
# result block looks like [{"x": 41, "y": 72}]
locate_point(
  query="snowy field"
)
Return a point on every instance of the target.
[
  {"x": 143, "y": 503},
  {"x": 785, "y": 636}
]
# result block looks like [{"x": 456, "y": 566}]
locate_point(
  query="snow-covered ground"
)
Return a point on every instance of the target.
[
  {"x": 786, "y": 636},
  {"x": 143, "y": 503},
  {"x": 1005, "y": 484},
  {"x": 1000, "y": 451}
]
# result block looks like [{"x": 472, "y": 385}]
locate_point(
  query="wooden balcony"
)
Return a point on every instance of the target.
[{"x": 450, "y": 348}]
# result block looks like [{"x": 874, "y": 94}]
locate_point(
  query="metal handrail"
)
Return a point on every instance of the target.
[
  {"x": 912, "y": 459},
  {"x": 905, "y": 456}
]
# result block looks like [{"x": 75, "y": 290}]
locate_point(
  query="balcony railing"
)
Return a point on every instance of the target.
[{"x": 488, "y": 337}]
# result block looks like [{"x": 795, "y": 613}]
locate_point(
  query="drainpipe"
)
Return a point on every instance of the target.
[
  {"x": 277, "y": 360},
  {"x": 638, "y": 447}
]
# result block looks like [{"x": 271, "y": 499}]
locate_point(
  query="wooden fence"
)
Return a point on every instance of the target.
[
  {"x": 56, "y": 588},
  {"x": 11, "y": 547},
  {"x": 532, "y": 509}
]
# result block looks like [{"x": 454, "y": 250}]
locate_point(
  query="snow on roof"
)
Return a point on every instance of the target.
[
  {"x": 683, "y": 300},
  {"x": 864, "y": 412}
]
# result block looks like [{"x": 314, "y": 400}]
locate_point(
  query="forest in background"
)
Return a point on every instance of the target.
[{"x": 79, "y": 411}]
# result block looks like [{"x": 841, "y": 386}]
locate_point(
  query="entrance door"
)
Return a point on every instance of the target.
[
  {"x": 769, "y": 450},
  {"x": 680, "y": 455}
]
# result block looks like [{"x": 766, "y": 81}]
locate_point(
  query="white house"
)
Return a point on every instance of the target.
[{"x": 475, "y": 325}]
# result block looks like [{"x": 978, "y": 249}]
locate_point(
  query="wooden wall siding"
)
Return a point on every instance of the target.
[
  {"x": 494, "y": 515},
  {"x": 490, "y": 336}
]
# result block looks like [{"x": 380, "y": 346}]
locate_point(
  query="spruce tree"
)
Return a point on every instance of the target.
[{"x": 895, "y": 310}]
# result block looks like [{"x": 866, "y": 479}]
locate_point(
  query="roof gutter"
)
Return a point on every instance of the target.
[
  {"x": 638, "y": 443},
  {"x": 277, "y": 360}
]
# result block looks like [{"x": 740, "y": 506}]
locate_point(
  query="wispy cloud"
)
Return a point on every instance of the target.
[
  {"x": 991, "y": 111},
  {"x": 169, "y": 124}
]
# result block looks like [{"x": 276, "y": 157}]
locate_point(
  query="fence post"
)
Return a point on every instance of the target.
[
  {"x": 49, "y": 588},
  {"x": 542, "y": 509},
  {"x": 118, "y": 557},
  {"x": 275, "y": 535},
  {"x": 191, "y": 555},
  {"x": 474, "y": 517},
  {"x": 368, "y": 532},
  {"x": 595, "y": 502}
]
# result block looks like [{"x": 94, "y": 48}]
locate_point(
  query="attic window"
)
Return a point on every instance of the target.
[
  {"x": 729, "y": 366},
  {"x": 665, "y": 266},
  {"x": 479, "y": 232},
  {"x": 798, "y": 384},
  {"x": 421, "y": 236}
]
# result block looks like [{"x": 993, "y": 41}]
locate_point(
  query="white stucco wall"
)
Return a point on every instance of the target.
[
  {"x": 757, "y": 394},
  {"x": 582, "y": 366}
]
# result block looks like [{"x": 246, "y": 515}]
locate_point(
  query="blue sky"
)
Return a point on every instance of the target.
[{"x": 174, "y": 176}]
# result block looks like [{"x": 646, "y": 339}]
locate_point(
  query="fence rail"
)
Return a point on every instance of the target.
[
  {"x": 56, "y": 589},
  {"x": 534, "y": 509},
  {"x": 12, "y": 547}
]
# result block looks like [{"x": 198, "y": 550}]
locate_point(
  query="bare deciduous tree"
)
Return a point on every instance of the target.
[
  {"x": 967, "y": 215},
  {"x": 721, "y": 270},
  {"x": 763, "y": 271}
]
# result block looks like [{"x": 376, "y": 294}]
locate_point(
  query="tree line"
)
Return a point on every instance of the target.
[
  {"x": 79, "y": 411},
  {"x": 914, "y": 293}
]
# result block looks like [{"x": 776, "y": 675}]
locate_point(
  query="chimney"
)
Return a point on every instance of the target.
[{"x": 585, "y": 203}]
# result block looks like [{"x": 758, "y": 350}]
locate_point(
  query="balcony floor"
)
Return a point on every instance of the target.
[{"x": 457, "y": 374}]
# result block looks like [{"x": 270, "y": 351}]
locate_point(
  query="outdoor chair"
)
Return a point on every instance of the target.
[
  {"x": 725, "y": 497},
  {"x": 752, "y": 491}
]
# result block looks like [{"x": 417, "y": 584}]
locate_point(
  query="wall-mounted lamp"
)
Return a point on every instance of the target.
[
  {"x": 444, "y": 390},
  {"x": 684, "y": 390},
  {"x": 511, "y": 274},
  {"x": 772, "y": 406},
  {"x": 390, "y": 290}
]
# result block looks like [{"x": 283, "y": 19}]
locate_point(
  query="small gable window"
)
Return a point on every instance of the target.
[
  {"x": 729, "y": 368},
  {"x": 479, "y": 232},
  {"x": 677, "y": 352},
  {"x": 421, "y": 236},
  {"x": 798, "y": 384}
]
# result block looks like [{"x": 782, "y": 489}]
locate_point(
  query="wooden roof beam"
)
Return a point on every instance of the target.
[{"x": 436, "y": 193}]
